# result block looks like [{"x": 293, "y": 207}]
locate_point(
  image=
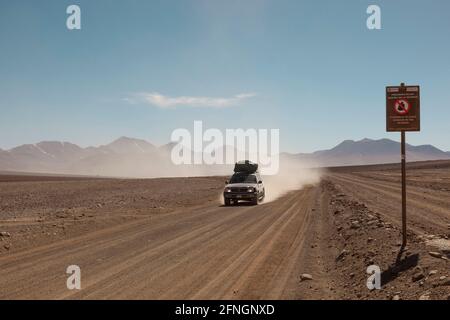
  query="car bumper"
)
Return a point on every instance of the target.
[{"x": 240, "y": 196}]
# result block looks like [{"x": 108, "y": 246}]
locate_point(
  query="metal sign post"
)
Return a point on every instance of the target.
[
  {"x": 403, "y": 114},
  {"x": 403, "y": 189}
]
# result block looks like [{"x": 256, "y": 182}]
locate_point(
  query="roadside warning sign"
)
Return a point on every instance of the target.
[
  {"x": 403, "y": 114},
  {"x": 403, "y": 108}
]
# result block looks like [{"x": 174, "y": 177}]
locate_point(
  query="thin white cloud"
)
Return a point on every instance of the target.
[{"x": 166, "y": 102}]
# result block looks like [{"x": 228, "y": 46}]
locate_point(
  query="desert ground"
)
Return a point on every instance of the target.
[{"x": 173, "y": 239}]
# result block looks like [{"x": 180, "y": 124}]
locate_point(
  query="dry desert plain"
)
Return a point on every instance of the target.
[{"x": 172, "y": 239}]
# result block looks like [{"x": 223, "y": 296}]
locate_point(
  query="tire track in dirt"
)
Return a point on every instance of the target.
[
  {"x": 423, "y": 216},
  {"x": 440, "y": 198},
  {"x": 186, "y": 254},
  {"x": 255, "y": 262},
  {"x": 153, "y": 261},
  {"x": 181, "y": 277},
  {"x": 122, "y": 244}
]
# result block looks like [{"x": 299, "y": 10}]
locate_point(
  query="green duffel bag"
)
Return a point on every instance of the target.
[{"x": 245, "y": 166}]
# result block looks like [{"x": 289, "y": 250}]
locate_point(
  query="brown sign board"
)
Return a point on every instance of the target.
[{"x": 403, "y": 108}]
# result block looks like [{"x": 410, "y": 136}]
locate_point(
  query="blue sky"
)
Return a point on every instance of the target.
[{"x": 310, "y": 68}]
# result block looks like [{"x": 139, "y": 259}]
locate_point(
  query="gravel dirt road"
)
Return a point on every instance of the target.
[{"x": 172, "y": 238}]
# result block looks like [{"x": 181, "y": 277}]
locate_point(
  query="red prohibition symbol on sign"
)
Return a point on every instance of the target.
[{"x": 402, "y": 106}]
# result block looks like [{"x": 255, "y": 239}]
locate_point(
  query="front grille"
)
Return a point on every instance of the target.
[{"x": 236, "y": 189}]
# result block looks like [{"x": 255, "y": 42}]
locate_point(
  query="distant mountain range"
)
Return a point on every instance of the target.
[
  {"x": 129, "y": 157},
  {"x": 368, "y": 151}
]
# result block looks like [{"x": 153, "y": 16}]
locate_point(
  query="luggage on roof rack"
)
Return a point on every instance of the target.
[{"x": 245, "y": 166}]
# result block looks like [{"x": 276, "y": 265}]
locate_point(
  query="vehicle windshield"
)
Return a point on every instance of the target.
[{"x": 243, "y": 178}]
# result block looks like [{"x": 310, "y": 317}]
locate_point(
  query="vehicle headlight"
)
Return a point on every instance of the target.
[
  {"x": 227, "y": 189},
  {"x": 251, "y": 190}
]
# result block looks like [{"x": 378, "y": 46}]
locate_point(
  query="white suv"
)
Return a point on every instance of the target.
[{"x": 244, "y": 186}]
